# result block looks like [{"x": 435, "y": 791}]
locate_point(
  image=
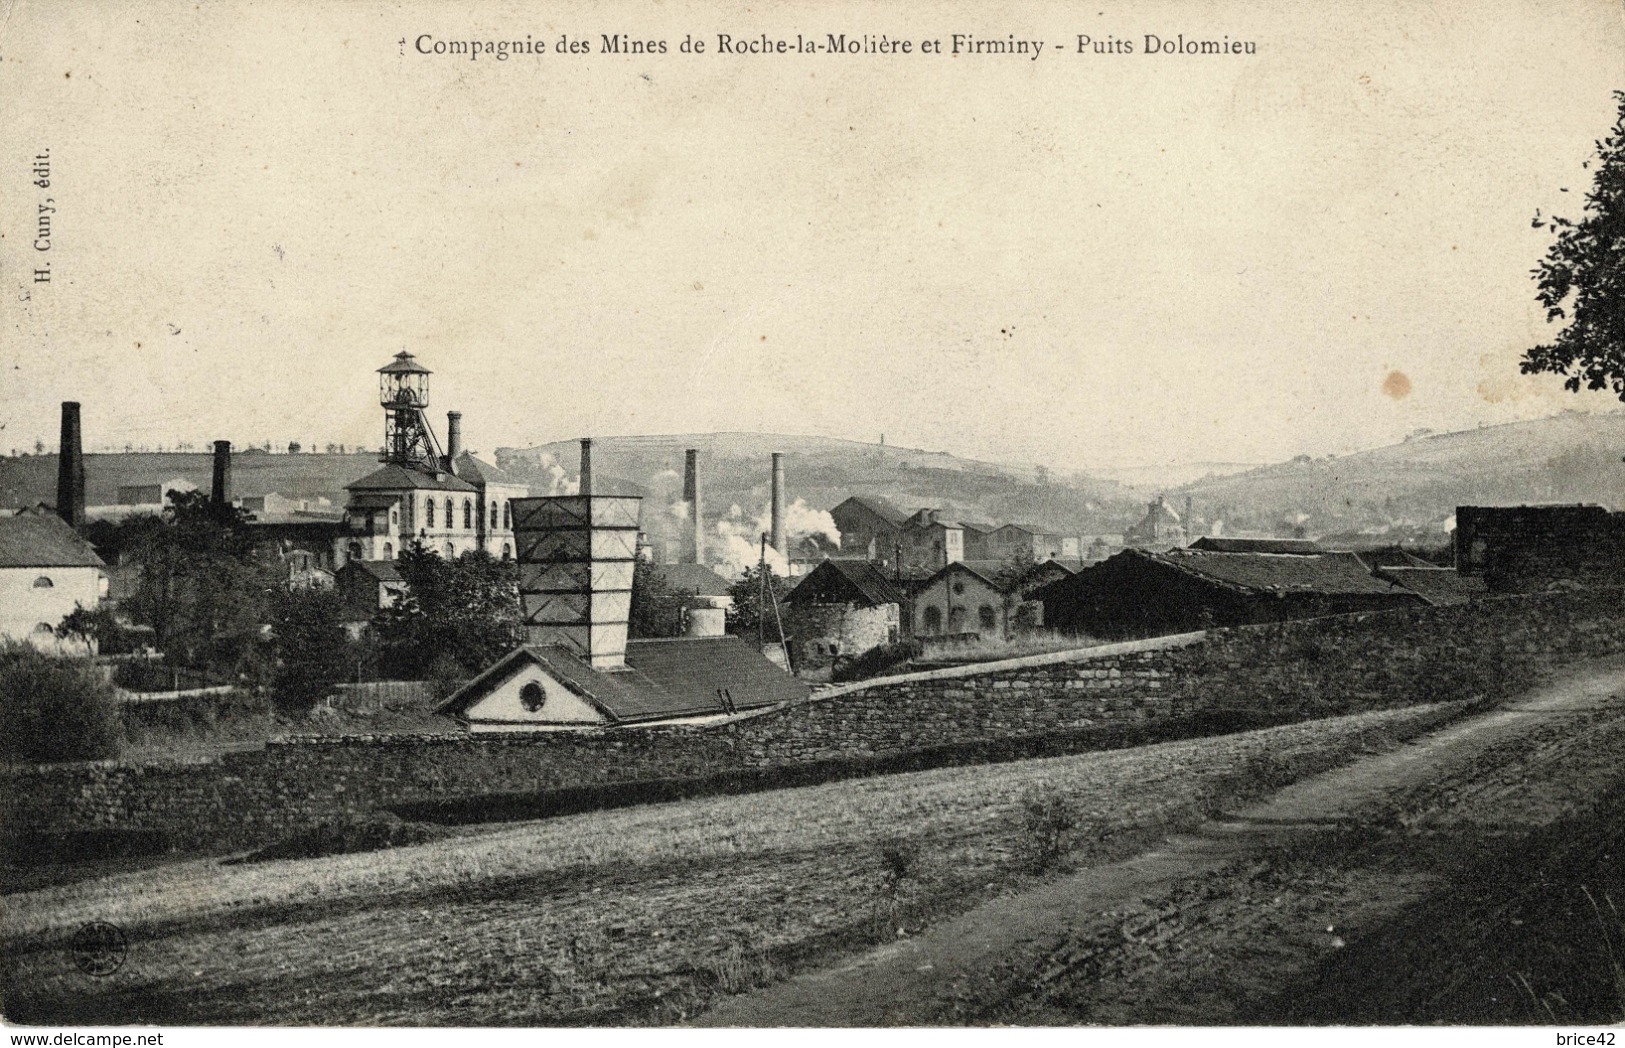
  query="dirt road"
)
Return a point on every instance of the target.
[{"x": 1466, "y": 877}]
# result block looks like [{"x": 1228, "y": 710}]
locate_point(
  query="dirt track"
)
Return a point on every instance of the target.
[{"x": 1466, "y": 877}]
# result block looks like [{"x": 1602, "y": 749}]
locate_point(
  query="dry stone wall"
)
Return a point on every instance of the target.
[{"x": 1311, "y": 668}]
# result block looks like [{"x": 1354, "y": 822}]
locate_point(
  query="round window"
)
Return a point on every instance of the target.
[{"x": 531, "y": 696}]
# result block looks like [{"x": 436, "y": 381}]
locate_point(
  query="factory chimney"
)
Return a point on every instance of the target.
[
  {"x": 780, "y": 543},
  {"x": 70, "y": 468},
  {"x": 220, "y": 491},
  {"x": 695, "y": 551},
  {"x": 586, "y": 467},
  {"x": 454, "y": 439}
]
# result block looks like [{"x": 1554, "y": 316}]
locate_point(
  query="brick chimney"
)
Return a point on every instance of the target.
[
  {"x": 220, "y": 492},
  {"x": 780, "y": 542},
  {"x": 70, "y": 468},
  {"x": 586, "y": 466},
  {"x": 695, "y": 551},
  {"x": 454, "y": 439}
]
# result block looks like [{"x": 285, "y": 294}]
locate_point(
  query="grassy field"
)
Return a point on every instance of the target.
[{"x": 639, "y": 915}]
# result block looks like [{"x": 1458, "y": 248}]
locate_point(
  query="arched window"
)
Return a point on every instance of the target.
[
  {"x": 933, "y": 619},
  {"x": 44, "y": 627},
  {"x": 507, "y": 516},
  {"x": 493, "y": 516},
  {"x": 428, "y": 513},
  {"x": 987, "y": 617},
  {"x": 468, "y": 515},
  {"x": 507, "y": 551},
  {"x": 451, "y": 552},
  {"x": 451, "y": 515},
  {"x": 532, "y": 697},
  {"x": 956, "y": 620},
  {"x": 355, "y": 551},
  {"x": 44, "y": 582},
  {"x": 389, "y": 551}
]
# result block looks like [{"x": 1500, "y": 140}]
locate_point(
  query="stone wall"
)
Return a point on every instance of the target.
[
  {"x": 1303, "y": 669},
  {"x": 1529, "y": 548}
]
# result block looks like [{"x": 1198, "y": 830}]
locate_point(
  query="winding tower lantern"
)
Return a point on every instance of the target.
[{"x": 403, "y": 390}]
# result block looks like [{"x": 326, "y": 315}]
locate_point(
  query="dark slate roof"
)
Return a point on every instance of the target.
[
  {"x": 1032, "y": 529},
  {"x": 978, "y": 526},
  {"x": 958, "y": 566},
  {"x": 678, "y": 677},
  {"x": 380, "y": 500},
  {"x": 1278, "y": 572},
  {"x": 393, "y": 477},
  {"x": 382, "y": 570},
  {"x": 1219, "y": 544},
  {"x": 693, "y": 579},
  {"x": 1438, "y": 586},
  {"x": 38, "y": 540},
  {"x": 858, "y": 580},
  {"x": 478, "y": 471},
  {"x": 880, "y": 508}
]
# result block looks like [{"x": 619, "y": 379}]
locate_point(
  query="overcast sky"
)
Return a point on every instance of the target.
[{"x": 1079, "y": 260}]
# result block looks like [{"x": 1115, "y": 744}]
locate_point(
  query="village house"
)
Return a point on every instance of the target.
[
  {"x": 680, "y": 680},
  {"x": 1027, "y": 540},
  {"x": 1517, "y": 549},
  {"x": 927, "y": 542},
  {"x": 1145, "y": 594},
  {"x": 1160, "y": 528},
  {"x": 839, "y": 610},
  {"x": 46, "y": 571},
  {"x": 959, "y": 601},
  {"x": 869, "y": 527}
]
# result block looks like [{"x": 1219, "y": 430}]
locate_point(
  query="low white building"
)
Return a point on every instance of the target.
[{"x": 46, "y": 570}]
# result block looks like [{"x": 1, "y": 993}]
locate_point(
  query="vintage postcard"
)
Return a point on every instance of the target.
[{"x": 823, "y": 514}]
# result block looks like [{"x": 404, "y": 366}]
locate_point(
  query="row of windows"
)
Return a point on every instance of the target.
[
  {"x": 986, "y": 617},
  {"x": 468, "y": 514}
]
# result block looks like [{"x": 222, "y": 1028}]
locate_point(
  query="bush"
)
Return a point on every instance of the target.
[
  {"x": 1047, "y": 823},
  {"x": 876, "y": 661},
  {"x": 363, "y": 833},
  {"x": 54, "y": 708}
]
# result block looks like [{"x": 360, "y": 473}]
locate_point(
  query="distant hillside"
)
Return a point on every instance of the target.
[
  {"x": 28, "y": 479},
  {"x": 823, "y": 471},
  {"x": 1572, "y": 457}
]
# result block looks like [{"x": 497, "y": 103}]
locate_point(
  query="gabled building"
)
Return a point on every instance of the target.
[
  {"x": 927, "y": 542},
  {"x": 1519, "y": 549},
  {"x": 449, "y": 501},
  {"x": 1145, "y": 594},
  {"x": 46, "y": 570},
  {"x": 682, "y": 680},
  {"x": 869, "y": 526},
  {"x": 959, "y": 601},
  {"x": 839, "y": 610},
  {"x": 1039, "y": 543},
  {"x": 1160, "y": 528}
]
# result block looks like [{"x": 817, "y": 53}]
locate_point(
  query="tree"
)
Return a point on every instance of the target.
[
  {"x": 311, "y": 648},
  {"x": 1582, "y": 280},
  {"x": 656, "y": 610},
  {"x": 1011, "y": 579},
  {"x": 745, "y": 616},
  {"x": 464, "y": 610},
  {"x": 201, "y": 589}
]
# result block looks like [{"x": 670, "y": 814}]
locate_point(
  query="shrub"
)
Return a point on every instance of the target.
[
  {"x": 1048, "y": 820},
  {"x": 369, "y": 832},
  {"x": 876, "y": 660},
  {"x": 54, "y": 708}
]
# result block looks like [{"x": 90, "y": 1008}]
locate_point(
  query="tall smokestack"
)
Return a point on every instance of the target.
[
  {"x": 695, "y": 551},
  {"x": 220, "y": 492},
  {"x": 779, "y": 541},
  {"x": 586, "y": 466},
  {"x": 454, "y": 439},
  {"x": 70, "y": 468}
]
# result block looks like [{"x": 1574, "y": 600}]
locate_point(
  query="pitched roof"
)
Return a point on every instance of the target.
[
  {"x": 36, "y": 540},
  {"x": 1220, "y": 544},
  {"x": 382, "y": 570},
  {"x": 693, "y": 579},
  {"x": 1031, "y": 529},
  {"x": 958, "y": 566},
  {"x": 678, "y": 677},
  {"x": 854, "y": 578},
  {"x": 395, "y": 477},
  {"x": 1437, "y": 586},
  {"x": 879, "y": 507},
  {"x": 476, "y": 470},
  {"x": 378, "y": 500},
  {"x": 1277, "y": 572}
]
